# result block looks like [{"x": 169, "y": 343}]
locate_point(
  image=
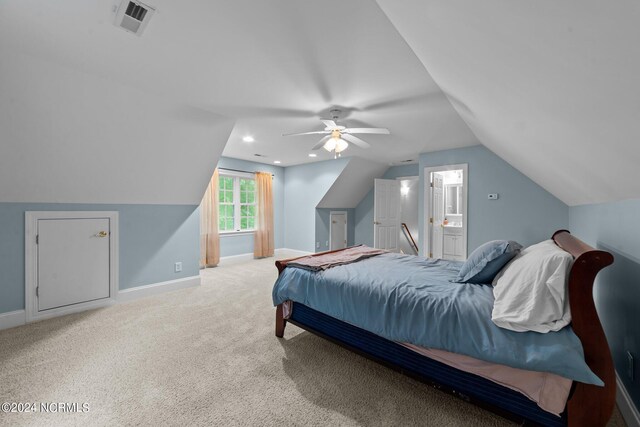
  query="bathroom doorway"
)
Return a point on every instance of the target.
[{"x": 446, "y": 212}]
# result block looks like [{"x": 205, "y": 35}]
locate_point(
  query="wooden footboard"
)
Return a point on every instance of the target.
[{"x": 588, "y": 405}]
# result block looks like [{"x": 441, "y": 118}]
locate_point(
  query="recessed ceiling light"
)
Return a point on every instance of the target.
[
  {"x": 313, "y": 155},
  {"x": 277, "y": 162},
  {"x": 248, "y": 138}
]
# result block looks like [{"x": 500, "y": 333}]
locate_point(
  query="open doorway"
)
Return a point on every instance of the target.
[
  {"x": 409, "y": 186},
  {"x": 446, "y": 212},
  {"x": 395, "y": 217}
]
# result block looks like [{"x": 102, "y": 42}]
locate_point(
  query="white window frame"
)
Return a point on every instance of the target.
[{"x": 236, "y": 202}]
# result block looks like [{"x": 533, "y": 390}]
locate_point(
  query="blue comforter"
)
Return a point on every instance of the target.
[{"x": 411, "y": 299}]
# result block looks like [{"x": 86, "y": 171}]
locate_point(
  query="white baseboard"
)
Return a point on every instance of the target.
[
  {"x": 625, "y": 404},
  {"x": 12, "y": 319},
  {"x": 19, "y": 317},
  {"x": 235, "y": 259},
  {"x": 293, "y": 251},
  {"x": 157, "y": 288}
]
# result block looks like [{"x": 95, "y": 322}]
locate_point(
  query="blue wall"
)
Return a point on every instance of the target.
[
  {"x": 614, "y": 227},
  {"x": 364, "y": 210},
  {"x": 152, "y": 238},
  {"x": 304, "y": 187},
  {"x": 524, "y": 212},
  {"x": 236, "y": 244},
  {"x": 323, "y": 218}
]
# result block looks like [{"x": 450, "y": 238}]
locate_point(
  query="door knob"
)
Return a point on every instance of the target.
[
  {"x": 376, "y": 223},
  {"x": 102, "y": 234}
]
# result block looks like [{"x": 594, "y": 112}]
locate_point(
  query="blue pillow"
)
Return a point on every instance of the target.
[{"x": 487, "y": 260}]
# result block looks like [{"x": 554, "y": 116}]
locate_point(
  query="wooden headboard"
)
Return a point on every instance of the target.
[{"x": 585, "y": 322}]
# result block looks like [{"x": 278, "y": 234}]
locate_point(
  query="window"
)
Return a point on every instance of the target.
[{"x": 237, "y": 203}]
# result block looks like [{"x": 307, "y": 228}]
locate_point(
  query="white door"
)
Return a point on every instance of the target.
[
  {"x": 338, "y": 230},
  {"x": 386, "y": 214},
  {"x": 437, "y": 215},
  {"x": 72, "y": 261}
]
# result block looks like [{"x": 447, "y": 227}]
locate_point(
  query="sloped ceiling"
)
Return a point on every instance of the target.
[
  {"x": 353, "y": 183},
  {"x": 70, "y": 137},
  {"x": 551, "y": 87},
  {"x": 276, "y": 66}
]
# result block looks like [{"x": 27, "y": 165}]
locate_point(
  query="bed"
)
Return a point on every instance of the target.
[{"x": 580, "y": 355}]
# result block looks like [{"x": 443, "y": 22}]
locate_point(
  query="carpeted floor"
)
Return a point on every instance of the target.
[{"x": 208, "y": 356}]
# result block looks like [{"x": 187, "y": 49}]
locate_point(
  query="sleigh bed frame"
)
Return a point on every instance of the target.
[{"x": 588, "y": 405}]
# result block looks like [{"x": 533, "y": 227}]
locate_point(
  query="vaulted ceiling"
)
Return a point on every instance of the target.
[{"x": 552, "y": 88}]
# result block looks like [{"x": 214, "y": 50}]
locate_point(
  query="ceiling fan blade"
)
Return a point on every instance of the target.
[
  {"x": 329, "y": 123},
  {"x": 318, "y": 132},
  {"x": 321, "y": 142},
  {"x": 367, "y": 130},
  {"x": 355, "y": 140}
]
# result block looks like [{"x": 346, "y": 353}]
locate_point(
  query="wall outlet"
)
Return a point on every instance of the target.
[
  {"x": 178, "y": 267},
  {"x": 630, "y": 365},
  {"x": 493, "y": 196},
  {"x": 317, "y": 245}
]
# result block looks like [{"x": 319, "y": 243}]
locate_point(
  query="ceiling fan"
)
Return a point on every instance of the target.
[{"x": 338, "y": 137}]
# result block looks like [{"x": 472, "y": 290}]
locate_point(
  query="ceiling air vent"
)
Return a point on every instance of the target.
[{"x": 133, "y": 16}]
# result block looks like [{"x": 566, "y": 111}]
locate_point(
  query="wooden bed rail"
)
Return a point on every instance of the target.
[{"x": 589, "y": 405}]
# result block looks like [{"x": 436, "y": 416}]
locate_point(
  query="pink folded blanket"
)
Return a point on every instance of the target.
[{"x": 331, "y": 259}]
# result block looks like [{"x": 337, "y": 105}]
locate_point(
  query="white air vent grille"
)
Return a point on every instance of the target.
[{"x": 133, "y": 16}]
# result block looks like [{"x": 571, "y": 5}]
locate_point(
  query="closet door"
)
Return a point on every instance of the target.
[{"x": 73, "y": 261}]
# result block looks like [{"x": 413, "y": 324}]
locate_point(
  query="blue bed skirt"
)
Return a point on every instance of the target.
[{"x": 464, "y": 385}]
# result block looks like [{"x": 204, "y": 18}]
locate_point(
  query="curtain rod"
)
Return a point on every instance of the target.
[{"x": 238, "y": 170}]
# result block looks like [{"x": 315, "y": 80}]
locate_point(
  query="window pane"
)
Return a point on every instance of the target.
[
  {"x": 243, "y": 224},
  {"x": 230, "y": 211},
  {"x": 251, "y": 223},
  {"x": 251, "y": 197},
  {"x": 243, "y": 197},
  {"x": 229, "y": 224},
  {"x": 251, "y": 210},
  {"x": 221, "y": 224},
  {"x": 251, "y": 185}
]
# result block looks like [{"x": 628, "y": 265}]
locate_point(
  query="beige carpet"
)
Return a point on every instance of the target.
[{"x": 208, "y": 356}]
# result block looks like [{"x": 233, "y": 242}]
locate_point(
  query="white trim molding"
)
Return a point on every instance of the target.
[
  {"x": 625, "y": 404},
  {"x": 427, "y": 199},
  {"x": 31, "y": 262},
  {"x": 12, "y": 319},
  {"x": 346, "y": 226},
  {"x": 235, "y": 259},
  {"x": 138, "y": 292}
]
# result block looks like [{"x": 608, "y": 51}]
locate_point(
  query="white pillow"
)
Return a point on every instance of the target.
[{"x": 531, "y": 291}]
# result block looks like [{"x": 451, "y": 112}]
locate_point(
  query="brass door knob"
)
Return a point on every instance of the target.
[{"x": 102, "y": 234}]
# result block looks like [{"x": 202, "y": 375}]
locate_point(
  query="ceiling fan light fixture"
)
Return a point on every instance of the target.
[
  {"x": 331, "y": 144},
  {"x": 341, "y": 145}
]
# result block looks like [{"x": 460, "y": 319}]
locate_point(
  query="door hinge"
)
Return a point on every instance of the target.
[
  {"x": 430, "y": 254},
  {"x": 431, "y": 184},
  {"x": 37, "y": 291},
  {"x": 430, "y": 220},
  {"x": 37, "y": 239}
]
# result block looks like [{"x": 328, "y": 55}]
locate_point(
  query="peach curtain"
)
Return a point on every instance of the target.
[
  {"x": 263, "y": 237},
  {"x": 209, "y": 237}
]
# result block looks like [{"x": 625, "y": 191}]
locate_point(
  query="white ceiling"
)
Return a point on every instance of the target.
[
  {"x": 276, "y": 66},
  {"x": 70, "y": 137},
  {"x": 551, "y": 87}
]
